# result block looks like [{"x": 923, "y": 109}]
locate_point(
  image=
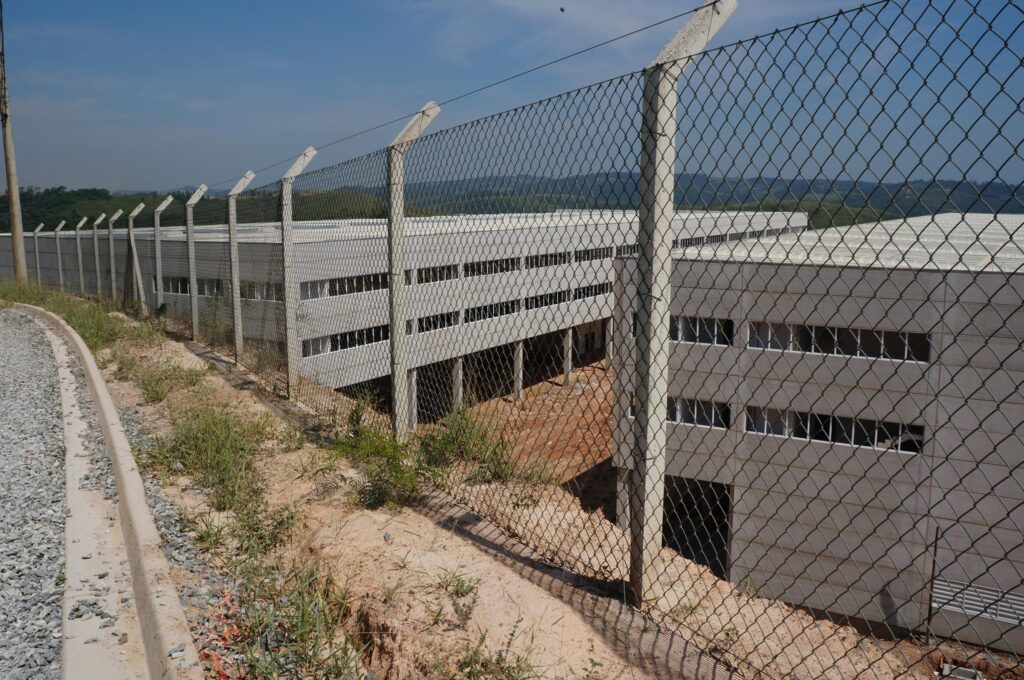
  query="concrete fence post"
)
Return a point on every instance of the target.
[
  {"x": 78, "y": 251},
  {"x": 293, "y": 348},
  {"x": 35, "y": 249},
  {"x": 400, "y": 377},
  {"x": 60, "y": 263},
  {"x": 190, "y": 246},
  {"x": 657, "y": 186},
  {"x": 96, "y": 253},
  {"x": 140, "y": 291},
  {"x": 236, "y": 291},
  {"x": 158, "y": 266},
  {"x": 110, "y": 247},
  {"x": 457, "y": 382}
]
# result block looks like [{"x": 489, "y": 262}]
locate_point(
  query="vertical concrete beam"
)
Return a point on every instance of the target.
[
  {"x": 457, "y": 383},
  {"x": 517, "y": 369},
  {"x": 96, "y": 252},
  {"x": 566, "y": 356},
  {"x": 60, "y": 263},
  {"x": 190, "y": 244},
  {"x": 137, "y": 285},
  {"x": 413, "y": 400},
  {"x": 35, "y": 249},
  {"x": 78, "y": 251},
  {"x": 293, "y": 347},
  {"x": 158, "y": 269},
  {"x": 621, "y": 364},
  {"x": 110, "y": 247},
  {"x": 657, "y": 186},
  {"x": 609, "y": 340},
  {"x": 400, "y": 417},
  {"x": 236, "y": 291}
]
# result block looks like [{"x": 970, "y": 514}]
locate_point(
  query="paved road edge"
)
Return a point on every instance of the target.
[{"x": 165, "y": 630}]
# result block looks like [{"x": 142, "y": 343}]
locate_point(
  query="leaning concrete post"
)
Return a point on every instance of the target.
[
  {"x": 400, "y": 417},
  {"x": 657, "y": 185},
  {"x": 190, "y": 242},
  {"x": 78, "y": 251},
  {"x": 96, "y": 252},
  {"x": 140, "y": 291},
  {"x": 158, "y": 267},
  {"x": 60, "y": 264},
  {"x": 236, "y": 292},
  {"x": 291, "y": 289},
  {"x": 110, "y": 246},
  {"x": 35, "y": 248}
]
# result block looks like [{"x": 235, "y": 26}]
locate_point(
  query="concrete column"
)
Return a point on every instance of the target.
[
  {"x": 657, "y": 185},
  {"x": 190, "y": 248},
  {"x": 293, "y": 349},
  {"x": 566, "y": 356},
  {"x": 413, "y": 400},
  {"x": 35, "y": 252},
  {"x": 96, "y": 253},
  {"x": 60, "y": 262},
  {"x": 137, "y": 285},
  {"x": 400, "y": 416},
  {"x": 158, "y": 269},
  {"x": 623, "y": 368},
  {"x": 457, "y": 383},
  {"x": 609, "y": 340},
  {"x": 517, "y": 369},
  {"x": 78, "y": 251},
  {"x": 110, "y": 247},
  {"x": 236, "y": 291}
]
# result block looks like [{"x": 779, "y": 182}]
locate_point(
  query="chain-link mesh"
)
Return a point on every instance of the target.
[{"x": 738, "y": 337}]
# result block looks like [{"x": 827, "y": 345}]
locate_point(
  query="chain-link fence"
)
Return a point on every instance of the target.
[{"x": 738, "y": 336}]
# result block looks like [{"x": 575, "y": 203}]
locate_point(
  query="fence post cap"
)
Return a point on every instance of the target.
[
  {"x": 60, "y": 226},
  {"x": 242, "y": 183},
  {"x": 134, "y": 213},
  {"x": 163, "y": 204},
  {"x": 196, "y": 195},
  {"x": 417, "y": 124},
  {"x": 300, "y": 163}
]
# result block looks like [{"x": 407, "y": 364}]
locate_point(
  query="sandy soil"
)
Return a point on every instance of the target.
[{"x": 395, "y": 565}]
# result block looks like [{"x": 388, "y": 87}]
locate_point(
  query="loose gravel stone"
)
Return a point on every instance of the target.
[{"x": 32, "y": 502}]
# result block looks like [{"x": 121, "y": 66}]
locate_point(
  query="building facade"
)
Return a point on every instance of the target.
[{"x": 842, "y": 416}]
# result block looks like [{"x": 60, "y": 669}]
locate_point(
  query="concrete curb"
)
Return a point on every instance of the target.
[{"x": 162, "y": 621}]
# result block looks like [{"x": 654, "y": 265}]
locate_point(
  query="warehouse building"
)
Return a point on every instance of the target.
[
  {"x": 503, "y": 290},
  {"x": 842, "y": 418}
]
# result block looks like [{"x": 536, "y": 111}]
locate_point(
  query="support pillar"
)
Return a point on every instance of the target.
[
  {"x": 413, "y": 400},
  {"x": 400, "y": 416},
  {"x": 35, "y": 251},
  {"x": 190, "y": 243},
  {"x": 110, "y": 247},
  {"x": 517, "y": 369},
  {"x": 566, "y": 356},
  {"x": 158, "y": 270},
  {"x": 657, "y": 185},
  {"x": 236, "y": 291},
  {"x": 139, "y": 290},
  {"x": 60, "y": 262},
  {"x": 96, "y": 253},
  {"x": 457, "y": 383},
  {"x": 293, "y": 350},
  {"x": 78, "y": 251}
]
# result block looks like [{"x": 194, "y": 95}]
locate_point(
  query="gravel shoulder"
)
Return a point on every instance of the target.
[{"x": 32, "y": 502}]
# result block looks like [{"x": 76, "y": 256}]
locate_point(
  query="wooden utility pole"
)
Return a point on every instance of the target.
[{"x": 13, "y": 197}]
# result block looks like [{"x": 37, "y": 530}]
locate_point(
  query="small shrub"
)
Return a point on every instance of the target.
[
  {"x": 392, "y": 477},
  {"x": 157, "y": 382},
  {"x": 289, "y": 619},
  {"x": 479, "y": 663},
  {"x": 216, "y": 446}
]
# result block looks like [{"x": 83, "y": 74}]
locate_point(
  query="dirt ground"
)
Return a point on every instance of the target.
[{"x": 397, "y": 567}]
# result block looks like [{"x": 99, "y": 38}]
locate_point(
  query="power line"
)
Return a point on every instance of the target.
[{"x": 483, "y": 88}]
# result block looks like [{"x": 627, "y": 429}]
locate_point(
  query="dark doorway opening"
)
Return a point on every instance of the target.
[{"x": 697, "y": 521}]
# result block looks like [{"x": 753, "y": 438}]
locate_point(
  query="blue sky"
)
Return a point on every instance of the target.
[{"x": 144, "y": 95}]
